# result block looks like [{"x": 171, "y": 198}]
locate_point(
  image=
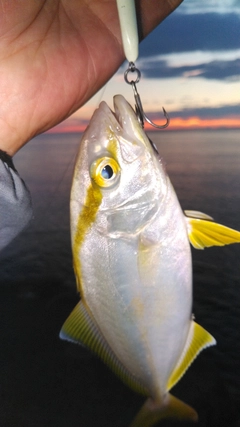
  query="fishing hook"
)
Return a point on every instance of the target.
[{"x": 142, "y": 117}]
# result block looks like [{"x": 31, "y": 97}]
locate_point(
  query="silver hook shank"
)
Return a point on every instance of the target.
[
  {"x": 138, "y": 103},
  {"x": 140, "y": 112}
]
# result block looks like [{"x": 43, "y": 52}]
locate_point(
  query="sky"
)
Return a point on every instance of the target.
[{"x": 190, "y": 64}]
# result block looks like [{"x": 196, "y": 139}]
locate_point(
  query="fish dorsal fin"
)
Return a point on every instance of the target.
[
  {"x": 198, "y": 215},
  {"x": 198, "y": 339},
  {"x": 81, "y": 328},
  {"x": 204, "y": 232}
]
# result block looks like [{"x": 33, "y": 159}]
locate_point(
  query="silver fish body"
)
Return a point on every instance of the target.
[{"x": 132, "y": 257}]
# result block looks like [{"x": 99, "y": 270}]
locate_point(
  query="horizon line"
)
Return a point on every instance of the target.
[{"x": 176, "y": 124}]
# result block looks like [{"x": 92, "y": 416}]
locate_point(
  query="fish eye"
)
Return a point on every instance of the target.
[{"x": 105, "y": 171}]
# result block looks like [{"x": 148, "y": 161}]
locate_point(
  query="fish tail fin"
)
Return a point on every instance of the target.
[{"x": 152, "y": 412}]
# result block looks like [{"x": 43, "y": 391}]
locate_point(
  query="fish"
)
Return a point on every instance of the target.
[{"x": 133, "y": 264}]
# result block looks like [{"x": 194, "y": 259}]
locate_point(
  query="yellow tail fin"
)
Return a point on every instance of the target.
[{"x": 152, "y": 412}]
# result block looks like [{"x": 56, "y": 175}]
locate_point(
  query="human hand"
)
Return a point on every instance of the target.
[{"x": 56, "y": 54}]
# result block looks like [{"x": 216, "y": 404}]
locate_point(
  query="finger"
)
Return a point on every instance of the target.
[{"x": 152, "y": 12}]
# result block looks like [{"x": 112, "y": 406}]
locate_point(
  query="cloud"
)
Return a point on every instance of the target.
[
  {"x": 225, "y": 117},
  {"x": 201, "y": 6},
  {"x": 191, "y": 32},
  {"x": 217, "y": 70}
]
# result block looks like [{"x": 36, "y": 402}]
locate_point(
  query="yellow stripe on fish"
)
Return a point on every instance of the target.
[{"x": 85, "y": 220}]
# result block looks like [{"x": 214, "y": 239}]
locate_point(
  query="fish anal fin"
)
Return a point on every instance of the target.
[
  {"x": 205, "y": 233},
  {"x": 80, "y": 328},
  {"x": 152, "y": 412},
  {"x": 198, "y": 339}
]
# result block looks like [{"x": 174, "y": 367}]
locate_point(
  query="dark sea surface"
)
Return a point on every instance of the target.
[{"x": 45, "y": 382}]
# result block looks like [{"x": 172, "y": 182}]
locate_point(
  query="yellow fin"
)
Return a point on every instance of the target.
[
  {"x": 152, "y": 412},
  {"x": 205, "y": 233},
  {"x": 198, "y": 339},
  {"x": 81, "y": 328}
]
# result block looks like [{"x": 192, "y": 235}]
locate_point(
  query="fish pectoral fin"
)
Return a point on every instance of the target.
[
  {"x": 80, "y": 328},
  {"x": 198, "y": 339},
  {"x": 205, "y": 233},
  {"x": 152, "y": 412}
]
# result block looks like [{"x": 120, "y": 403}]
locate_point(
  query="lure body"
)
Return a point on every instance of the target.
[{"x": 129, "y": 30}]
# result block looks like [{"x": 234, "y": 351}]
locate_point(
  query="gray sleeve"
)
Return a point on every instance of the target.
[{"x": 15, "y": 201}]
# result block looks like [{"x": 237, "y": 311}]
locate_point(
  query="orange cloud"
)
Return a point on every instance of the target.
[
  {"x": 179, "y": 123},
  {"x": 67, "y": 129},
  {"x": 176, "y": 123},
  {"x": 70, "y": 125}
]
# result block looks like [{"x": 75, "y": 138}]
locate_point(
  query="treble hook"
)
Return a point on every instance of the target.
[{"x": 142, "y": 117}]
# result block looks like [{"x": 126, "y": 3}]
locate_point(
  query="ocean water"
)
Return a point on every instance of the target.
[{"x": 45, "y": 382}]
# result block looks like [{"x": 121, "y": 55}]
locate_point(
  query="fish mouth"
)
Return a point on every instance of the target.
[
  {"x": 126, "y": 117},
  {"x": 116, "y": 128},
  {"x": 130, "y": 124},
  {"x": 122, "y": 120}
]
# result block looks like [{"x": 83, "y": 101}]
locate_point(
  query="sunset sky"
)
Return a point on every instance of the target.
[{"x": 190, "y": 65}]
